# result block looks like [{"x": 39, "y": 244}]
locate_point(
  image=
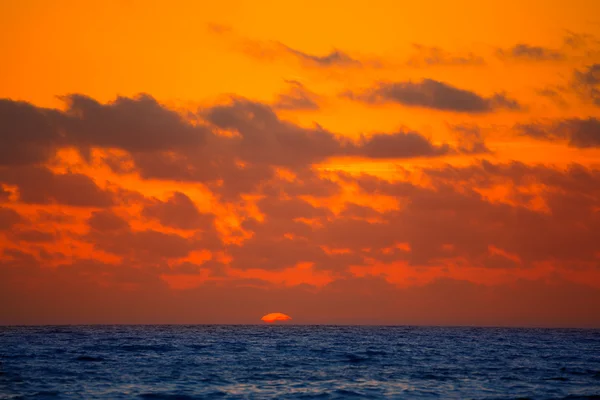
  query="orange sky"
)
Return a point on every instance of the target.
[{"x": 208, "y": 162}]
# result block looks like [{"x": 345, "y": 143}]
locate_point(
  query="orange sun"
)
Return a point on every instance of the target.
[{"x": 275, "y": 317}]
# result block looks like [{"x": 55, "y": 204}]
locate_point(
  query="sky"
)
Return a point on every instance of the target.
[{"x": 413, "y": 163}]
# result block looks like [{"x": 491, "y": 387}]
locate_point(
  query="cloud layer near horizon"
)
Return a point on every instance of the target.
[
  {"x": 252, "y": 207},
  {"x": 335, "y": 163}
]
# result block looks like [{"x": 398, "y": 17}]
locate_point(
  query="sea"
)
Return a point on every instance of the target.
[{"x": 297, "y": 362}]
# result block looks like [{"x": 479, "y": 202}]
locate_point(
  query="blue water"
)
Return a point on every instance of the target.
[{"x": 184, "y": 362}]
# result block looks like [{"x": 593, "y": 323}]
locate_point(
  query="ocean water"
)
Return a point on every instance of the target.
[{"x": 271, "y": 361}]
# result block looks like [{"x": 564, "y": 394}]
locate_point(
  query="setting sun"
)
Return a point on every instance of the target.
[{"x": 275, "y": 317}]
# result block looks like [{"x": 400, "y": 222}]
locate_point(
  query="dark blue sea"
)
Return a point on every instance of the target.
[{"x": 274, "y": 361}]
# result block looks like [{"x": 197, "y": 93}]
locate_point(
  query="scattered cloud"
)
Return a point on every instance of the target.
[
  {"x": 400, "y": 145},
  {"x": 578, "y": 132},
  {"x": 429, "y": 93},
  {"x": 470, "y": 139},
  {"x": 425, "y": 56},
  {"x": 297, "y": 97},
  {"x": 527, "y": 52},
  {"x": 587, "y": 83},
  {"x": 273, "y": 50},
  {"x": 334, "y": 58}
]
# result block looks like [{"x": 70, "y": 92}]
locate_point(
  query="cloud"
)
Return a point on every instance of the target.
[
  {"x": 179, "y": 211},
  {"x": 275, "y": 212},
  {"x": 470, "y": 139},
  {"x": 34, "y": 236},
  {"x": 39, "y": 185},
  {"x": 290, "y": 209},
  {"x": 436, "y": 95},
  {"x": 447, "y": 223},
  {"x": 9, "y": 218},
  {"x": 425, "y": 56},
  {"x": 569, "y": 196},
  {"x": 137, "y": 124},
  {"x": 233, "y": 148},
  {"x": 430, "y": 217},
  {"x": 352, "y": 210},
  {"x": 333, "y": 58},
  {"x": 297, "y": 97},
  {"x": 31, "y": 135},
  {"x": 61, "y": 299},
  {"x": 586, "y": 44},
  {"x": 526, "y": 52},
  {"x": 400, "y": 145},
  {"x": 143, "y": 246},
  {"x": 586, "y": 82},
  {"x": 272, "y": 49},
  {"x": 107, "y": 221},
  {"x": 4, "y": 195},
  {"x": 555, "y": 94},
  {"x": 28, "y": 134},
  {"x": 578, "y": 132},
  {"x": 267, "y": 139}
]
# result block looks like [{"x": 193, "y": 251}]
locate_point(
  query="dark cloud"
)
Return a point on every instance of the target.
[
  {"x": 31, "y": 135},
  {"x": 133, "y": 124},
  {"x": 526, "y": 52},
  {"x": 39, "y": 185},
  {"x": 292, "y": 208},
  {"x": 400, "y": 145},
  {"x": 28, "y": 134},
  {"x": 431, "y": 56},
  {"x": 283, "y": 243},
  {"x": 297, "y": 97},
  {"x": 4, "y": 194},
  {"x": 352, "y": 210},
  {"x": 186, "y": 268},
  {"x": 15, "y": 258},
  {"x": 334, "y": 58},
  {"x": 563, "y": 233},
  {"x": 452, "y": 220},
  {"x": 54, "y": 217},
  {"x": 143, "y": 246},
  {"x": 429, "y": 93},
  {"x": 113, "y": 234},
  {"x": 34, "y": 236},
  {"x": 265, "y": 139},
  {"x": 106, "y": 221},
  {"x": 179, "y": 211},
  {"x": 307, "y": 182},
  {"x": 580, "y": 133},
  {"x": 9, "y": 218},
  {"x": 286, "y": 237},
  {"x": 587, "y": 83},
  {"x": 161, "y": 144},
  {"x": 577, "y": 40},
  {"x": 247, "y": 148},
  {"x": 555, "y": 94}
]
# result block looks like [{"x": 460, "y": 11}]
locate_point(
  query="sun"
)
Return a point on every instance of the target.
[{"x": 275, "y": 317}]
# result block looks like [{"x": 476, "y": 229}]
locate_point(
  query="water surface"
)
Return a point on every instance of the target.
[{"x": 263, "y": 361}]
